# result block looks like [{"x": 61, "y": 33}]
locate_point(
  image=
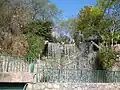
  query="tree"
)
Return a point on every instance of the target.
[
  {"x": 36, "y": 44},
  {"x": 40, "y": 28},
  {"x": 43, "y": 10},
  {"x": 63, "y": 38},
  {"x": 111, "y": 15},
  {"x": 13, "y": 18},
  {"x": 44, "y": 14},
  {"x": 95, "y": 21},
  {"x": 31, "y": 19},
  {"x": 68, "y": 26},
  {"x": 89, "y": 20},
  {"x": 105, "y": 4}
]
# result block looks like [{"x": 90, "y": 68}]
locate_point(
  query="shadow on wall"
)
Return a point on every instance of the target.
[{"x": 44, "y": 51}]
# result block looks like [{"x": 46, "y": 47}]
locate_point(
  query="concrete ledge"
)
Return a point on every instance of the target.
[
  {"x": 74, "y": 86},
  {"x": 16, "y": 77}
]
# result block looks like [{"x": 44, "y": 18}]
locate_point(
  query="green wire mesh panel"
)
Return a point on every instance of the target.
[
  {"x": 11, "y": 86},
  {"x": 77, "y": 76},
  {"x": 32, "y": 67}
]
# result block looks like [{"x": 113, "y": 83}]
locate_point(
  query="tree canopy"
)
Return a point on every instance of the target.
[
  {"x": 89, "y": 20},
  {"x": 32, "y": 20},
  {"x": 28, "y": 23},
  {"x": 103, "y": 21}
]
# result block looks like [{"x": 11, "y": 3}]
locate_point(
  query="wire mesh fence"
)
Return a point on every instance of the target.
[
  {"x": 51, "y": 75},
  {"x": 15, "y": 64}
]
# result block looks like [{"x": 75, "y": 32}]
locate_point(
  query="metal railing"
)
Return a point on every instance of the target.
[{"x": 51, "y": 75}]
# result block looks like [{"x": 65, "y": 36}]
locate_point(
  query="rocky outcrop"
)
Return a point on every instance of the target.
[
  {"x": 117, "y": 48},
  {"x": 116, "y": 65}
]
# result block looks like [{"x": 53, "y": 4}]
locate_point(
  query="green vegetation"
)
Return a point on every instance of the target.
[
  {"x": 102, "y": 21},
  {"x": 25, "y": 26},
  {"x": 36, "y": 44},
  {"x": 63, "y": 38},
  {"x": 107, "y": 56},
  {"x": 89, "y": 20},
  {"x": 40, "y": 28},
  {"x": 37, "y": 32}
]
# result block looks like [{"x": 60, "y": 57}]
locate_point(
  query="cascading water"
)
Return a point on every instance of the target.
[
  {"x": 81, "y": 58},
  {"x": 60, "y": 54},
  {"x": 70, "y": 60},
  {"x": 86, "y": 56}
]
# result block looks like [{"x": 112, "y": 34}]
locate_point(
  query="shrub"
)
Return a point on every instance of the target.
[
  {"x": 36, "y": 44},
  {"x": 107, "y": 56}
]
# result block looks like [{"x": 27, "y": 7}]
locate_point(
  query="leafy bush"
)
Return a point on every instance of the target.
[
  {"x": 40, "y": 28},
  {"x": 36, "y": 44},
  {"x": 107, "y": 56}
]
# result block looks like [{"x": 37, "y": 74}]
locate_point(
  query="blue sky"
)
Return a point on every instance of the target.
[{"x": 71, "y": 8}]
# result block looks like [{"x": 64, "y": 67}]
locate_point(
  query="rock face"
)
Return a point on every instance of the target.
[
  {"x": 117, "y": 48},
  {"x": 116, "y": 66}
]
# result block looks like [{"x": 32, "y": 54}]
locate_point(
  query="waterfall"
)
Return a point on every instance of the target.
[
  {"x": 72, "y": 57},
  {"x": 67, "y": 60}
]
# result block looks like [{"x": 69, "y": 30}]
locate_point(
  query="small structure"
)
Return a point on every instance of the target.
[
  {"x": 15, "y": 80},
  {"x": 15, "y": 73}
]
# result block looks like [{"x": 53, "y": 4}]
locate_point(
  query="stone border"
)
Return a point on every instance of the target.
[{"x": 74, "y": 86}]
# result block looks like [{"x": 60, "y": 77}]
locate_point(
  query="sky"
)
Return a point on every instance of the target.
[{"x": 70, "y": 8}]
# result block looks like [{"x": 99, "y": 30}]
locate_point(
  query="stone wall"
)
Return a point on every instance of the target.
[
  {"x": 16, "y": 77},
  {"x": 75, "y": 86}
]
